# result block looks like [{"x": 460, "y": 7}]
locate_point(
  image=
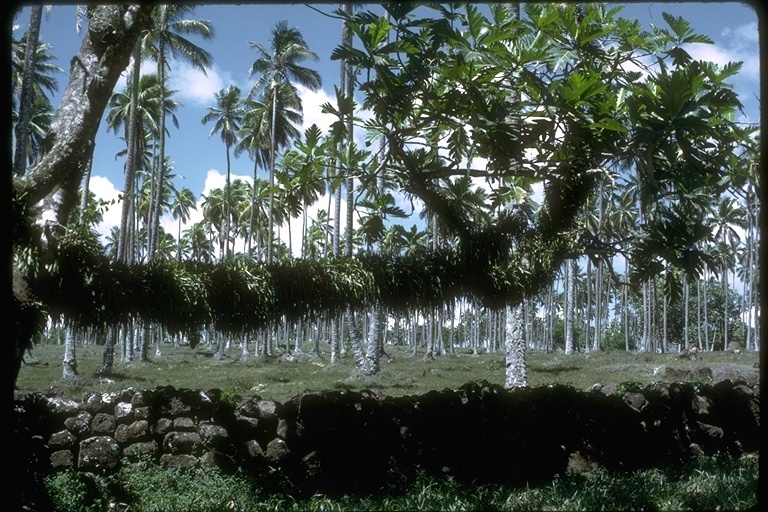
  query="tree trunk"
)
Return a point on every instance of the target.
[
  {"x": 85, "y": 190},
  {"x": 129, "y": 342},
  {"x": 356, "y": 345},
  {"x": 272, "y": 150},
  {"x": 70, "y": 356},
  {"x": 699, "y": 319},
  {"x": 157, "y": 203},
  {"x": 159, "y": 340},
  {"x": 108, "y": 356},
  {"x": 27, "y": 94},
  {"x": 686, "y": 294},
  {"x": 706, "y": 300},
  {"x": 516, "y": 373},
  {"x": 129, "y": 190},
  {"x": 145, "y": 341},
  {"x": 570, "y": 302}
]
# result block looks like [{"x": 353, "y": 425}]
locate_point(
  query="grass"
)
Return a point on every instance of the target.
[
  {"x": 184, "y": 367},
  {"x": 708, "y": 483}
]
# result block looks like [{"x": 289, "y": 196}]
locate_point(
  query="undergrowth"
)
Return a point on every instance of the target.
[{"x": 716, "y": 482}]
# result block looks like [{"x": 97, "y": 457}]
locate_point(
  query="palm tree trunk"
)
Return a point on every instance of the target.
[
  {"x": 598, "y": 305},
  {"x": 664, "y": 301},
  {"x": 570, "y": 303},
  {"x": 129, "y": 339},
  {"x": 706, "y": 300},
  {"x": 144, "y": 343},
  {"x": 516, "y": 372},
  {"x": 108, "y": 356},
  {"x": 272, "y": 149},
  {"x": 646, "y": 318},
  {"x": 244, "y": 354},
  {"x": 228, "y": 207},
  {"x": 686, "y": 294},
  {"x": 588, "y": 284},
  {"x": 129, "y": 195},
  {"x": 625, "y": 310},
  {"x": 355, "y": 344},
  {"x": 157, "y": 199},
  {"x": 699, "y": 318},
  {"x": 27, "y": 94},
  {"x": 159, "y": 340},
  {"x": 725, "y": 296},
  {"x": 70, "y": 356}
]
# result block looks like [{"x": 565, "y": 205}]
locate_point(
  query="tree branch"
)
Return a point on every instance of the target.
[{"x": 103, "y": 56}]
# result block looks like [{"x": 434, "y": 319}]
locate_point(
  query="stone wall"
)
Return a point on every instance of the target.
[{"x": 349, "y": 441}]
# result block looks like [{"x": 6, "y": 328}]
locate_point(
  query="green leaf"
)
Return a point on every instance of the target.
[{"x": 610, "y": 124}]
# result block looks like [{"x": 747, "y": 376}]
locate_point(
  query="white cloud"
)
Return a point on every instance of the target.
[
  {"x": 311, "y": 101},
  {"x": 105, "y": 190},
  {"x": 739, "y": 44},
  {"x": 195, "y": 86},
  {"x": 744, "y": 36}
]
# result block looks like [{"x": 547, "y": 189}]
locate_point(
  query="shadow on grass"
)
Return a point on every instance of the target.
[
  {"x": 119, "y": 376},
  {"x": 556, "y": 370}
]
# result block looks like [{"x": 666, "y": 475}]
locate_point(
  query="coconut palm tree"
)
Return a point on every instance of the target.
[
  {"x": 39, "y": 75},
  {"x": 43, "y": 69},
  {"x": 278, "y": 67},
  {"x": 227, "y": 116},
  {"x": 151, "y": 103},
  {"x": 26, "y": 91},
  {"x": 167, "y": 34},
  {"x": 199, "y": 244},
  {"x": 240, "y": 197},
  {"x": 40, "y": 120},
  {"x": 728, "y": 216},
  {"x": 135, "y": 110},
  {"x": 183, "y": 202},
  {"x": 256, "y": 134},
  {"x": 215, "y": 210}
]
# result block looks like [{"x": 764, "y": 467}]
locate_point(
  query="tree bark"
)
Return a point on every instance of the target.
[
  {"x": 27, "y": 95},
  {"x": 69, "y": 370},
  {"x": 103, "y": 56},
  {"x": 516, "y": 373},
  {"x": 570, "y": 302}
]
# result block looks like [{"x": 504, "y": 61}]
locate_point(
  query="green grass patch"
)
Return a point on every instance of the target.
[
  {"x": 405, "y": 374},
  {"x": 705, "y": 483}
]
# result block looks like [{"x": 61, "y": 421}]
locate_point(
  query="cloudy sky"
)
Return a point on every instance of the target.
[{"x": 201, "y": 160}]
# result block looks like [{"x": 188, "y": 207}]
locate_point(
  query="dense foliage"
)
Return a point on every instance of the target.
[{"x": 473, "y": 110}]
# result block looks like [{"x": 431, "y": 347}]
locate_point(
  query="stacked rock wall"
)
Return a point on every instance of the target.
[{"x": 350, "y": 441}]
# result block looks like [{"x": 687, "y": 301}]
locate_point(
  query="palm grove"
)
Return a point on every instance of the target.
[{"x": 582, "y": 184}]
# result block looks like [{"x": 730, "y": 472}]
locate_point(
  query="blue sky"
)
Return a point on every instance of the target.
[{"x": 201, "y": 159}]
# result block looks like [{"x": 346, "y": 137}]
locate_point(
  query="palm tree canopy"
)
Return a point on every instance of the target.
[
  {"x": 42, "y": 78},
  {"x": 169, "y": 28},
  {"x": 148, "y": 107},
  {"x": 257, "y": 122},
  {"x": 183, "y": 201},
  {"x": 283, "y": 63},
  {"x": 227, "y": 114}
]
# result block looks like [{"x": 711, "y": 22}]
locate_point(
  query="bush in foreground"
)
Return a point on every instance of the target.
[{"x": 706, "y": 483}]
